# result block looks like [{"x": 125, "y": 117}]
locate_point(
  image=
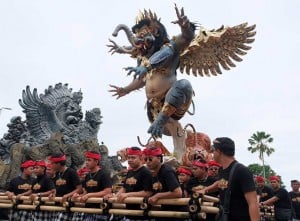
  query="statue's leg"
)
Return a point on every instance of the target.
[
  {"x": 173, "y": 127},
  {"x": 177, "y": 102}
]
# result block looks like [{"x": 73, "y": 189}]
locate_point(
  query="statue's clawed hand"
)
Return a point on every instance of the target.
[
  {"x": 156, "y": 128},
  {"x": 182, "y": 21},
  {"x": 118, "y": 91},
  {"x": 140, "y": 71},
  {"x": 114, "y": 47}
]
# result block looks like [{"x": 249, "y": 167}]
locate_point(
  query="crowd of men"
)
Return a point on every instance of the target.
[{"x": 147, "y": 176}]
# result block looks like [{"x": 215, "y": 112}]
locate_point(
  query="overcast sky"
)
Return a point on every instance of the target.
[{"x": 46, "y": 42}]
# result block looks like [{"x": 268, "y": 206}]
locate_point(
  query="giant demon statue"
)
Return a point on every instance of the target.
[{"x": 159, "y": 57}]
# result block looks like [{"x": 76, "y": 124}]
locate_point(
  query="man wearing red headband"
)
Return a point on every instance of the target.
[
  {"x": 263, "y": 191},
  {"x": 184, "y": 174},
  {"x": 280, "y": 200},
  {"x": 137, "y": 183},
  {"x": 21, "y": 186},
  {"x": 97, "y": 183},
  {"x": 200, "y": 180},
  {"x": 243, "y": 204},
  {"x": 42, "y": 186},
  {"x": 66, "y": 182},
  {"x": 165, "y": 181},
  {"x": 213, "y": 168}
]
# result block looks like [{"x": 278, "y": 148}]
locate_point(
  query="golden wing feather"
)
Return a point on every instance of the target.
[{"x": 212, "y": 50}]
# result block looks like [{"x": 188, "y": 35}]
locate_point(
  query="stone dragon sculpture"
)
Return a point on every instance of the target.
[
  {"x": 58, "y": 110},
  {"x": 54, "y": 123},
  {"x": 158, "y": 58}
]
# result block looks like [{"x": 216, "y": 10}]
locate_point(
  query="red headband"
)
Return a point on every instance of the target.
[
  {"x": 213, "y": 163},
  {"x": 40, "y": 163},
  {"x": 184, "y": 170},
  {"x": 259, "y": 179},
  {"x": 28, "y": 163},
  {"x": 274, "y": 178},
  {"x": 199, "y": 164},
  {"x": 152, "y": 152},
  {"x": 92, "y": 155},
  {"x": 131, "y": 151},
  {"x": 81, "y": 171},
  {"x": 57, "y": 159}
]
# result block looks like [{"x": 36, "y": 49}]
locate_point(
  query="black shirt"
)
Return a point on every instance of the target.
[
  {"x": 165, "y": 181},
  {"x": 66, "y": 182},
  {"x": 200, "y": 184},
  {"x": 242, "y": 182},
  {"x": 96, "y": 182},
  {"x": 295, "y": 197},
  {"x": 18, "y": 185},
  {"x": 42, "y": 184},
  {"x": 136, "y": 181},
  {"x": 265, "y": 193},
  {"x": 284, "y": 199}
]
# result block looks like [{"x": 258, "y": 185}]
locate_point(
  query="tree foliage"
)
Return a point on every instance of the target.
[
  {"x": 257, "y": 170},
  {"x": 260, "y": 142}
]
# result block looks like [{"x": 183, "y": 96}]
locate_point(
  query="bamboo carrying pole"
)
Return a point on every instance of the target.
[
  {"x": 150, "y": 213},
  {"x": 129, "y": 200},
  {"x": 117, "y": 208}
]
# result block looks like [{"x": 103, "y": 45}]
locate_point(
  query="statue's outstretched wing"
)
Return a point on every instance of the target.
[
  {"x": 211, "y": 49},
  {"x": 44, "y": 112}
]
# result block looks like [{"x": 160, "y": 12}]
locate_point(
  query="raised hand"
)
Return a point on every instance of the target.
[
  {"x": 182, "y": 21},
  {"x": 118, "y": 91},
  {"x": 114, "y": 47}
]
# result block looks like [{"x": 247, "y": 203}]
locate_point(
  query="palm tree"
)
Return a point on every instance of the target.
[{"x": 259, "y": 142}]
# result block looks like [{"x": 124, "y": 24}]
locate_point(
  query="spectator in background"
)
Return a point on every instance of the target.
[{"x": 295, "y": 197}]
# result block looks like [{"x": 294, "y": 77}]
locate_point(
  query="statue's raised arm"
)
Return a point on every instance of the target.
[{"x": 187, "y": 29}]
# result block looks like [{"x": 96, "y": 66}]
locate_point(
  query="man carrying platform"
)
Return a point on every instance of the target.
[{"x": 97, "y": 183}]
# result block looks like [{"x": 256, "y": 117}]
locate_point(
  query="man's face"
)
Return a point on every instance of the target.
[
  {"x": 183, "y": 178},
  {"x": 134, "y": 161},
  {"x": 49, "y": 171},
  {"x": 295, "y": 186},
  {"x": 91, "y": 163},
  {"x": 260, "y": 184},
  {"x": 152, "y": 162},
  {"x": 28, "y": 171},
  {"x": 213, "y": 170},
  {"x": 274, "y": 184},
  {"x": 199, "y": 172},
  {"x": 55, "y": 166},
  {"x": 38, "y": 170}
]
